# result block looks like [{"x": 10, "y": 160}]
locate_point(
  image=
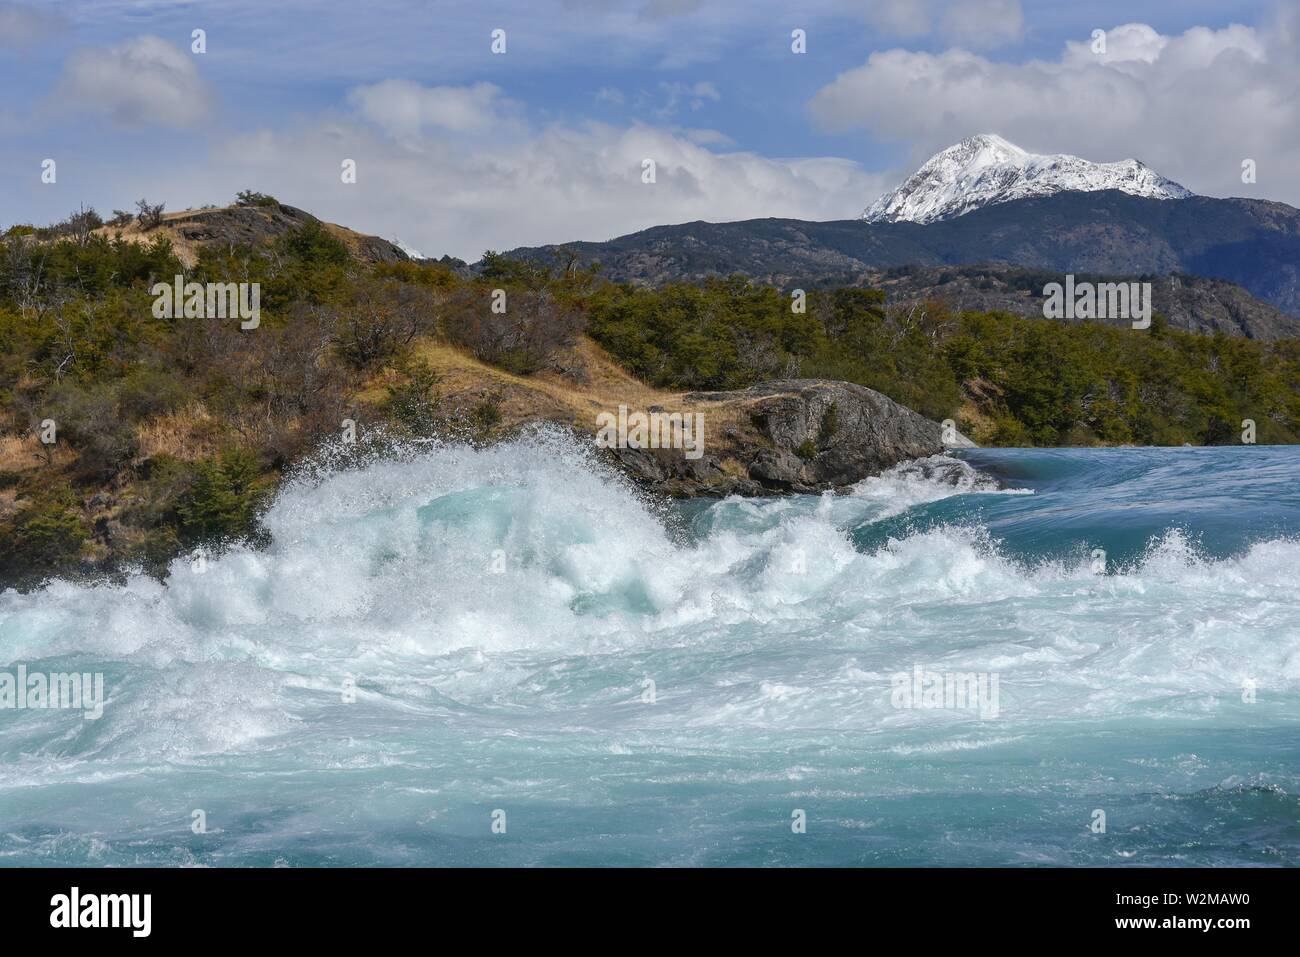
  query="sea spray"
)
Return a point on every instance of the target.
[{"x": 428, "y": 637}]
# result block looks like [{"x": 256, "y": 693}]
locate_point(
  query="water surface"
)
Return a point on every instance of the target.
[{"x": 668, "y": 686}]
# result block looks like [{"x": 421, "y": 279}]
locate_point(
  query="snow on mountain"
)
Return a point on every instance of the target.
[
  {"x": 985, "y": 169},
  {"x": 409, "y": 250}
]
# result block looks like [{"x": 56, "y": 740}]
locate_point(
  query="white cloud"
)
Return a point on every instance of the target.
[
  {"x": 984, "y": 24},
  {"x": 693, "y": 94},
  {"x": 708, "y": 137},
  {"x": 1192, "y": 106},
  {"x": 1135, "y": 46},
  {"x": 405, "y": 108},
  {"x": 1131, "y": 42},
  {"x": 145, "y": 80},
  {"x": 446, "y": 194}
]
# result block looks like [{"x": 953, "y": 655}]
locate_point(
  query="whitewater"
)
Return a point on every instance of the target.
[{"x": 509, "y": 656}]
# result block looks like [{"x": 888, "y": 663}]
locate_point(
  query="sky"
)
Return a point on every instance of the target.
[{"x": 459, "y": 149}]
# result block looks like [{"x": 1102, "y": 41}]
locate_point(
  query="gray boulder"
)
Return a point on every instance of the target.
[{"x": 788, "y": 435}]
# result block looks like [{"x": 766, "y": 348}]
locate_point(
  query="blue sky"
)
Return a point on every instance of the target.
[{"x": 459, "y": 149}]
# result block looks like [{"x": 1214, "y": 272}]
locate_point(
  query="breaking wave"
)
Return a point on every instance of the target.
[{"x": 455, "y": 629}]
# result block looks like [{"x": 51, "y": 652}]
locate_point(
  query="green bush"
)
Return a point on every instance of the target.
[
  {"x": 314, "y": 245},
  {"x": 414, "y": 403},
  {"x": 830, "y": 424},
  {"x": 248, "y": 197},
  {"x": 485, "y": 416},
  {"x": 148, "y": 391},
  {"x": 222, "y": 503},
  {"x": 91, "y": 419},
  {"x": 46, "y": 534},
  {"x": 155, "y": 550}
]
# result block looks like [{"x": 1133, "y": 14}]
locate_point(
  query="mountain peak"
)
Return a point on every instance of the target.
[
  {"x": 991, "y": 142},
  {"x": 986, "y": 169}
]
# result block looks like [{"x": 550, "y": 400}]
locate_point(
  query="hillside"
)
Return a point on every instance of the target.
[
  {"x": 191, "y": 230},
  {"x": 128, "y": 436},
  {"x": 1251, "y": 243},
  {"x": 1192, "y": 303}
]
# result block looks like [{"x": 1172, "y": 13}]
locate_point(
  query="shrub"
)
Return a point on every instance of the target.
[
  {"x": 155, "y": 550},
  {"x": 147, "y": 391},
  {"x": 521, "y": 339},
  {"x": 149, "y": 217},
  {"x": 504, "y": 271},
  {"x": 248, "y": 197},
  {"x": 830, "y": 424},
  {"x": 485, "y": 416},
  {"x": 426, "y": 272},
  {"x": 381, "y": 317},
  {"x": 78, "y": 226},
  {"x": 222, "y": 502},
  {"x": 414, "y": 403},
  {"x": 44, "y": 535},
  {"x": 91, "y": 419},
  {"x": 313, "y": 244}
]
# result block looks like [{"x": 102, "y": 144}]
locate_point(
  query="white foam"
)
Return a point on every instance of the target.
[{"x": 773, "y": 620}]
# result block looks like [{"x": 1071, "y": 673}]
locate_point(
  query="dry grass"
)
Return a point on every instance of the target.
[
  {"x": 24, "y": 453},
  {"x": 979, "y": 425},
  {"x": 596, "y": 384},
  {"x": 464, "y": 381},
  {"x": 187, "y": 250},
  {"x": 185, "y": 433},
  {"x": 351, "y": 238}
]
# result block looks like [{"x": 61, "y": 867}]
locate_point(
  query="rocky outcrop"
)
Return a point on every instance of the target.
[
  {"x": 790, "y": 435},
  {"x": 191, "y": 230},
  {"x": 237, "y": 225}
]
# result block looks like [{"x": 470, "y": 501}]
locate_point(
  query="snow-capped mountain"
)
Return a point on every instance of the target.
[
  {"x": 985, "y": 169},
  {"x": 409, "y": 250}
]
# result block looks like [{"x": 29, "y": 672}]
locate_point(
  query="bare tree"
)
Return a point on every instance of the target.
[
  {"x": 24, "y": 267},
  {"x": 521, "y": 339},
  {"x": 149, "y": 217},
  {"x": 82, "y": 223},
  {"x": 382, "y": 317}
]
